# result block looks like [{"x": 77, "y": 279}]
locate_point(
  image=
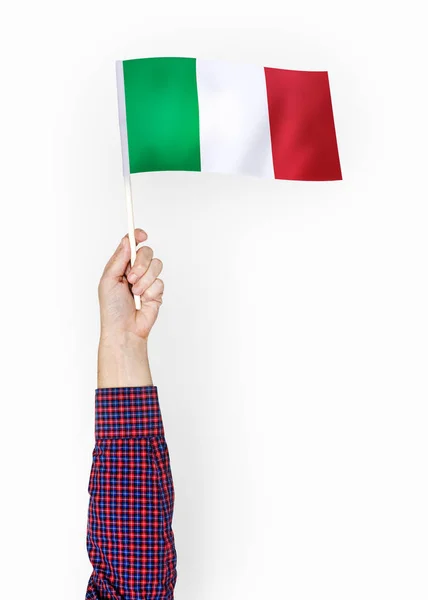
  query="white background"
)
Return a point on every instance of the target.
[{"x": 291, "y": 349}]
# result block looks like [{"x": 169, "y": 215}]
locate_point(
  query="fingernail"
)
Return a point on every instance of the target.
[{"x": 132, "y": 278}]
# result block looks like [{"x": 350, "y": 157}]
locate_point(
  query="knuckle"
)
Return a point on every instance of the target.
[{"x": 144, "y": 255}]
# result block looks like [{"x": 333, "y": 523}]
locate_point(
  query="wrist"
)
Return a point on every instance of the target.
[
  {"x": 116, "y": 340},
  {"x": 123, "y": 361}
]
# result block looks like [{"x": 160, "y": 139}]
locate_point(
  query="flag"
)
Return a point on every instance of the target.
[{"x": 187, "y": 114}]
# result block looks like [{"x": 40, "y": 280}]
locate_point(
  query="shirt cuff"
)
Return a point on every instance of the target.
[{"x": 127, "y": 412}]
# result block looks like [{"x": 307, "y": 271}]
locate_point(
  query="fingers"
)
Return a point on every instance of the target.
[
  {"x": 117, "y": 265},
  {"x": 146, "y": 272},
  {"x": 143, "y": 276},
  {"x": 154, "y": 292},
  {"x": 142, "y": 263}
]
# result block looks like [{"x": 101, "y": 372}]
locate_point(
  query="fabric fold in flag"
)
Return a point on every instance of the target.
[{"x": 187, "y": 114}]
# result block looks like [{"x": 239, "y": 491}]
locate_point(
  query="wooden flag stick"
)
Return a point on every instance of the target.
[
  {"x": 125, "y": 165},
  {"x": 131, "y": 228}
]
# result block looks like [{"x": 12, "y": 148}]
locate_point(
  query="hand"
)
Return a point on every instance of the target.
[
  {"x": 119, "y": 316},
  {"x": 122, "y": 352}
]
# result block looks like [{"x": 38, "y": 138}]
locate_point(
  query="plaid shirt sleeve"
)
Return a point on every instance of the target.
[{"x": 129, "y": 537}]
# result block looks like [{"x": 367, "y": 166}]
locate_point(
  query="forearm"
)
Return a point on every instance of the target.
[
  {"x": 130, "y": 538},
  {"x": 123, "y": 362}
]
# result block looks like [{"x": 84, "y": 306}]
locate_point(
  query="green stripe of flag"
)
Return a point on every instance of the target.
[{"x": 162, "y": 114}]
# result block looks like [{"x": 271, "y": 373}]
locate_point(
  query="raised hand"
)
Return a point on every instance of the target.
[{"x": 122, "y": 354}]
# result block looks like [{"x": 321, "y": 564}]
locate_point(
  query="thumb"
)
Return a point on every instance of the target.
[{"x": 116, "y": 266}]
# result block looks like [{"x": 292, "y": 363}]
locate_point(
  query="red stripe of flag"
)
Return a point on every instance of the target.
[{"x": 303, "y": 135}]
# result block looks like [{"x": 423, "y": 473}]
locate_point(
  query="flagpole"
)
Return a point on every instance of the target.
[
  {"x": 125, "y": 164},
  {"x": 131, "y": 228}
]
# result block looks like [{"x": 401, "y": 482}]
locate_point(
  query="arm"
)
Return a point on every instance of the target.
[{"x": 130, "y": 540}]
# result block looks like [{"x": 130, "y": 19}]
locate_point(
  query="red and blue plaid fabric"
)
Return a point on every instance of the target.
[{"x": 130, "y": 539}]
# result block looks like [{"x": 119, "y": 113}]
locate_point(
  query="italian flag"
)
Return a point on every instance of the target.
[{"x": 187, "y": 114}]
